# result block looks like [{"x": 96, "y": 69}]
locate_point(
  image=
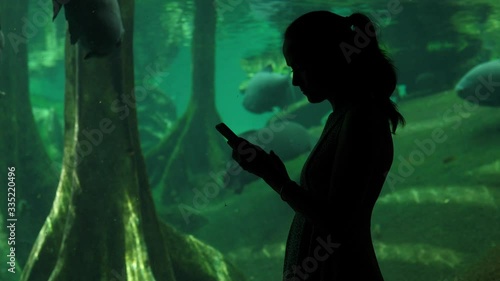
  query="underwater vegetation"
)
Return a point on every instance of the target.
[
  {"x": 481, "y": 22},
  {"x": 165, "y": 28}
]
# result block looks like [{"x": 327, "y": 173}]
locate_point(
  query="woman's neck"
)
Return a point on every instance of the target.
[{"x": 338, "y": 104}]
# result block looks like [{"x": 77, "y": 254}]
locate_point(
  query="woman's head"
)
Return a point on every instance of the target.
[
  {"x": 335, "y": 55},
  {"x": 339, "y": 59}
]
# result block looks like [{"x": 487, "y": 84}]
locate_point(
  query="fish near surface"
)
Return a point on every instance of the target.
[
  {"x": 96, "y": 24},
  {"x": 287, "y": 139},
  {"x": 267, "y": 90},
  {"x": 57, "y": 5},
  {"x": 481, "y": 84}
]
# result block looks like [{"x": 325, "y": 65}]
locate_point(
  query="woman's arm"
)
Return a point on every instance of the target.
[{"x": 356, "y": 159}]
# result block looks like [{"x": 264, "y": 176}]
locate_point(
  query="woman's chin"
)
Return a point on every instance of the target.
[{"x": 314, "y": 99}]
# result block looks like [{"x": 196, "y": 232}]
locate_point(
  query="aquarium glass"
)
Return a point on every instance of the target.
[{"x": 112, "y": 168}]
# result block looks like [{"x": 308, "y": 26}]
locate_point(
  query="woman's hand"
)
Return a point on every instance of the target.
[{"x": 255, "y": 160}]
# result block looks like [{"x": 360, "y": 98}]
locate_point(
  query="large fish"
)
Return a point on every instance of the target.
[
  {"x": 96, "y": 24},
  {"x": 481, "y": 84},
  {"x": 267, "y": 90},
  {"x": 57, "y": 5},
  {"x": 286, "y": 138}
]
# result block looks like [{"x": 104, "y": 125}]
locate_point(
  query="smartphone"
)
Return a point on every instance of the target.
[{"x": 227, "y": 133}]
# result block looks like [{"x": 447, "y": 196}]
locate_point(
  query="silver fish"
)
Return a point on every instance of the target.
[
  {"x": 57, "y": 5},
  {"x": 96, "y": 24},
  {"x": 267, "y": 90},
  {"x": 481, "y": 84}
]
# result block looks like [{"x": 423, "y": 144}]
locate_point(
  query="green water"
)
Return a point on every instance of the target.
[{"x": 436, "y": 219}]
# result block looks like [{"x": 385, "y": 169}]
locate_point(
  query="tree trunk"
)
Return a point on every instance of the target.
[
  {"x": 103, "y": 224},
  {"x": 194, "y": 147},
  {"x": 22, "y": 148}
]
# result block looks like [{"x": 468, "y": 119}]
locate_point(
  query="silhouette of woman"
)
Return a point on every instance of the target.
[{"x": 337, "y": 59}]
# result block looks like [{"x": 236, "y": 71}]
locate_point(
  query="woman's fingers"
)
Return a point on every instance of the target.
[{"x": 251, "y": 158}]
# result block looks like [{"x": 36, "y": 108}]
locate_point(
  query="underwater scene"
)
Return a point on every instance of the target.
[{"x": 113, "y": 170}]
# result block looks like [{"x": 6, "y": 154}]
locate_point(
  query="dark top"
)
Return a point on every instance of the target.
[{"x": 330, "y": 237}]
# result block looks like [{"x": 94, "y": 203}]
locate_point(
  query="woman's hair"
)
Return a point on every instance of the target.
[{"x": 326, "y": 39}]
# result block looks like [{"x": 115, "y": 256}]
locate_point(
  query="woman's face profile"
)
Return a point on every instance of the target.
[{"x": 306, "y": 75}]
